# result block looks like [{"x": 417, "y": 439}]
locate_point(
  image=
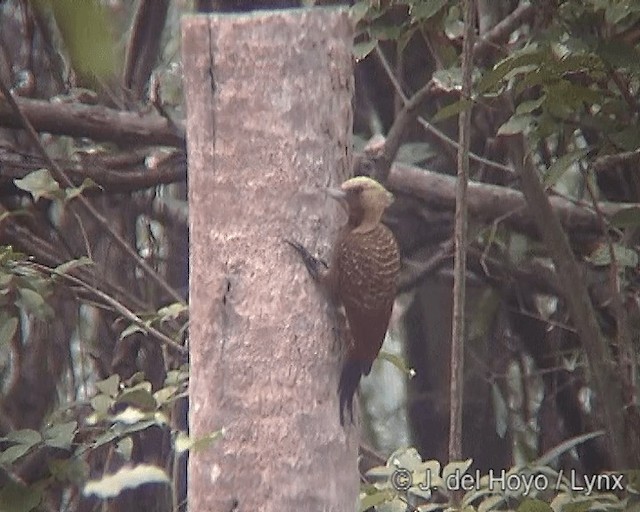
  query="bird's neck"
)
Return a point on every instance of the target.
[{"x": 364, "y": 221}]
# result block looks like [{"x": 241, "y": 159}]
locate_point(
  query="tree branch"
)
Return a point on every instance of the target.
[
  {"x": 140, "y": 175},
  {"x": 501, "y": 32},
  {"x": 144, "y": 42},
  {"x": 489, "y": 202},
  {"x": 94, "y": 122},
  {"x": 458, "y": 333},
  {"x": 607, "y": 162},
  {"x": 605, "y": 380}
]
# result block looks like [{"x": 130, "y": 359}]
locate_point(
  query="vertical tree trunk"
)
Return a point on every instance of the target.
[{"x": 269, "y": 103}]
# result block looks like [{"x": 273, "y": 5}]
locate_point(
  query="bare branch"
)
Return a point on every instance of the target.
[
  {"x": 458, "y": 333},
  {"x": 607, "y": 162},
  {"x": 492, "y": 201},
  {"x": 94, "y": 122},
  {"x": 144, "y": 42},
  {"x": 405, "y": 117},
  {"x": 606, "y": 383},
  {"x": 108, "y": 171},
  {"x": 500, "y": 33}
]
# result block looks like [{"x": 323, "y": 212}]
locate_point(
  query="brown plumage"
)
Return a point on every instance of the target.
[{"x": 362, "y": 277}]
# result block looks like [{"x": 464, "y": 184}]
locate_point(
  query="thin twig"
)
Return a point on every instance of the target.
[
  {"x": 503, "y": 29},
  {"x": 429, "y": 127},
  {"x": 119, "y": 307},
  {"x": 458, "y": 334},
  {"x": 626, "y": 356}
]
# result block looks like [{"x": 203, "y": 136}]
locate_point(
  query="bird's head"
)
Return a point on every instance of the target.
[{"x": 365, "y": 199}]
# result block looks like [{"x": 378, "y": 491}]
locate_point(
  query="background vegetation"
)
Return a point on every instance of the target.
[{"x": 94, "y": 261}]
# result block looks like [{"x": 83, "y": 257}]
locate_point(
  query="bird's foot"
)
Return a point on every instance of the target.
[{"x": 315, "y": 266}]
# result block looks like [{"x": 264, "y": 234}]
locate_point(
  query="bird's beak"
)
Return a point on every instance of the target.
[{"x": 336, "y": 193}]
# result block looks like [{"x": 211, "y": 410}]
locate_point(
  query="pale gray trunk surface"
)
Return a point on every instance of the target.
[{"x": 269, "y": 124}]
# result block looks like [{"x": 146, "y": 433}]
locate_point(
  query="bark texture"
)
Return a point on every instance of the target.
[{"x": 269, "y": 103}]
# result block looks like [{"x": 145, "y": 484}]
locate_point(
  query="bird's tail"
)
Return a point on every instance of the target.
[{"x": 352, "y": 371}]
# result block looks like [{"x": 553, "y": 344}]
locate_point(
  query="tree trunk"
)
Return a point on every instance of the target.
[{"x": 269, "y": 103}]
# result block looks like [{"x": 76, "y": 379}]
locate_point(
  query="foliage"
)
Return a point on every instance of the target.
[
  {"x": 111, "y": 421},
  {"x": 86, "y": 29},
  {"x": 568, "y": 79},
  {"x": 406, "y": 482}
]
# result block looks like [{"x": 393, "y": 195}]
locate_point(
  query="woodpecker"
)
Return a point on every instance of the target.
[{"x": 362, "y": 277}]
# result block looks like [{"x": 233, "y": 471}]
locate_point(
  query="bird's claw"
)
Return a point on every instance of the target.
[{"x": 312, "y": 263}]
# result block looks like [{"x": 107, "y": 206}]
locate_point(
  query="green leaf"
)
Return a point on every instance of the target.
[
  {"x": 125, "y": 447},
  {"x": 25, "y": 436},
  {"x": 16, "y": 497},
  {"x": 527, "y": 107},
  {"x": 627, "y": 139},
  {"x": 73, "y": 192},
  {"x": 489, "y": 503},
  {"x": 183, "y": 442},
  {"x": 500, "y": 410},
  {"x": 165, "y": 394},
  {"x": 453, "y": 109},
  {"x": 377, "y": 498},
  {"x": 556, "y": 451},
  {"x": 33, "y": 302},
  {"x": 111, "y": 486},
  {"x": 361, "y": 50},
  {"x": 619, "y": 54},
  {"x": 74, "y": 470},
  {"x": 561, "y": 165},
  {"x": 457, "y": 468},
  {"x": 105, "y": 438},
  {"x": 383, "y": 31},
  {"x": 523, "y": 61},
  {"x": 172, "y": 311},
  {"x": 380, "y": 473},
  {"x": 627, "y": 218},
  {"x": 406, "y": 458},
  {"x": 39, "y": 184},
  {"x": 624, "y": 256},
  {"x": 425, "y": 9},
  {"x": 131, "y": 329},
  {"x": 449, "y": 79},
  {"x": 86, "y": 28},
  {"x": 13, "y": 453},
  {"x": 517, "y": 124},
  {"x": 70, "y": 265},
  {"x": 358, "y": 11},
  {"x": 534, "y": 505},
  {"x": 61, "y": 435},
  {"x": 7, "y": 330},
  {"x": 101, "y": 405},
  {"x": 139, "y": 397},
  {"x": 109, "y": 386},
  {"x": 563, "y": 95}
]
